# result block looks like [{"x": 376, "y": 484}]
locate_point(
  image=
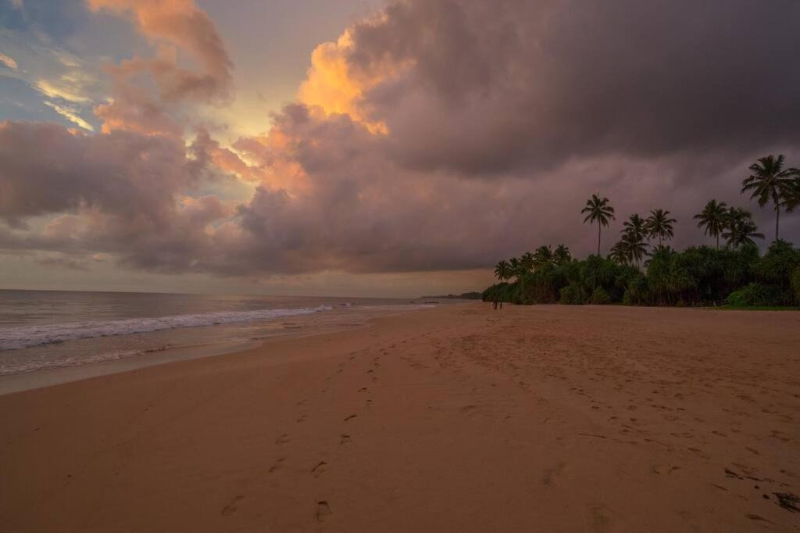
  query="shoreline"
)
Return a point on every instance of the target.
[
  {"x": 551, "y": 418},
  {"x": 301, "y": 326}
]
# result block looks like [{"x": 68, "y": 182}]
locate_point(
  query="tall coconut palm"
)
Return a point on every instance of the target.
[
  {"x": 542, "y": 256},
  {"x": 740, "y": 228},
  {"x": 598, "y": 210},
  {"x": 659, "y": 224},
  {"x": 502, "y": 270},
  {"x": 562, "y": 255},
  {"x": 770, "y": 182},
  {"x": 635, "y": 225},
  {"x": 713, "y": 219}
]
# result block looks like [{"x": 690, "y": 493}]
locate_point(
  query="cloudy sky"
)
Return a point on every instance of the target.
[{"x": 366, "y": 147}]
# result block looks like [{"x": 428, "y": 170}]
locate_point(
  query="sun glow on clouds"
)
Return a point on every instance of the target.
[
  {"x": 437, "y": 136},
  {"x": 70, "y": 114},
  {"x": 8, "y": 61},
  {"x": 334, "y": 87}
]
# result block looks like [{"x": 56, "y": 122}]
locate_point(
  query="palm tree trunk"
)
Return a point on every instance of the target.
[
  {"x": 599, "y": 227},
  {"x": 717, "y": 241},
  {"x": 777, "y": 219}
]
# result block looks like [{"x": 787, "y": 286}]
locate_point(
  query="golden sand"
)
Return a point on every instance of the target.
[{"x": 459, "y": 418}]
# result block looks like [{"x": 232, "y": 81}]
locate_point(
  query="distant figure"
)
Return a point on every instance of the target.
[
  {"x": 501, "y": 304},
  {"x": 494, "y": 303}
]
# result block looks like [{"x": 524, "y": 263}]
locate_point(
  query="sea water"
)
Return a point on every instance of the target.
[{"x": 43, "y": 330}]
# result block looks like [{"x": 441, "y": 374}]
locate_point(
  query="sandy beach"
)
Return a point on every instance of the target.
[{"x": 458, "y": 418}]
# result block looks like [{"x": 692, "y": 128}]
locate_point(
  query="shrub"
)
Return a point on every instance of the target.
[
  {"x": 777, "y": 265},
  {"x": 599, "y": 297},
  {"x": 573, "y": 294},
  {"x": 637, "y": 292},
  {"x": 796, "y": 285},
  {"x": 699, "y": 275},
  {"x": 544, "y": 285},
  {"x": 756, "y": 294}
]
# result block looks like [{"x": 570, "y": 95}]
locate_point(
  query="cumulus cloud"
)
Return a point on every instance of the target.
[
  {"x": 438, "y": 135},
  {"x": 122, "y": 193},
  {"x": 172, "y": 26},
  {"x": 519, "y": 84},
  {"x": 182, "y": 24}
]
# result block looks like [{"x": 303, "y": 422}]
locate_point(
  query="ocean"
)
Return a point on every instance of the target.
[{"x": 45, "y": 330}]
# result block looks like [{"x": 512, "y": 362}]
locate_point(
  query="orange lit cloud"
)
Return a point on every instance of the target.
[{"x": 336, "y": 88}]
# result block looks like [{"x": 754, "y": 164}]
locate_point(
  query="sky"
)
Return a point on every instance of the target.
[{"x": 371, "y": 147}]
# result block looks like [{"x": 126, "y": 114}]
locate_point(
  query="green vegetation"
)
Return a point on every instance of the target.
[
  {"x": 638, "y": 273},
  {"x": 463, "y": 296}
]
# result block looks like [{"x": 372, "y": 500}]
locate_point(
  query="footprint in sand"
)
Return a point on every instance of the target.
[
  {"x": 323, "y": 511},
  {"x": 319, "y": 469},
  {"x": 277, "y": 466},
  {"x": 283, "y": 439},
  {"x": 350, "y": 418},
  {"x": 231, "y": 507},
  {"x": 345, "y": 439},
  {"x": 600, "y": 518},
  {"x": 665, "y": 469},
  {"x": 550, "y": 475},
  {"x": 468, "y": 409}
]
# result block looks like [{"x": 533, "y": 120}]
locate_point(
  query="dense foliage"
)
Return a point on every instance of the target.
[
  {"x": 697, "y": 276},
  {"x": 637, "y": 272}
]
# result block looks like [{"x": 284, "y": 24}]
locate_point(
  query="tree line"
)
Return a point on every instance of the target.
[{"x": 734, "y": 273}]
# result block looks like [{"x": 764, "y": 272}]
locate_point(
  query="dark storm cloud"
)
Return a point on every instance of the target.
[
  {"x": 510, "y": 84},
  {"x": 121, "y": 193},
  {"x": 46, "y": 169},
  {"x": 653, "y": 104}
]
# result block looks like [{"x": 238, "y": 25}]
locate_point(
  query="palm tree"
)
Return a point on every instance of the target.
[
  {"x": 634, "y": 245},
  {"x": 527, "y": 261},
  {"x": 562, "y": 255},
  {"x": 598, "y": 210},
  {"x": 619, "y": 254},
  {"x": 635, "y": 225},
  {"x": 713, "y": 218},
  {"x": 542, "y": 256},
  {"x": 793, "y": 197},
  {"x": 741, "y": 230},
  {"x": 517, "y": 268},
  {"x": 502, "y": 270},
  {"x": 658, "y": 224},
  {"x": 769, "y": 182}
]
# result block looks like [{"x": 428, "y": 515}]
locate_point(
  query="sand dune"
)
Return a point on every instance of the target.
[{"x": 459, "y": 418}]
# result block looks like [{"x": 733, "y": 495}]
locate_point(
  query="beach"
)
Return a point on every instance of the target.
[{"x": 454, "y": 418}]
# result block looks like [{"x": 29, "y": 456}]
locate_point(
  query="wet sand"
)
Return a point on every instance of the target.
[{"x": 460, "y": 418}]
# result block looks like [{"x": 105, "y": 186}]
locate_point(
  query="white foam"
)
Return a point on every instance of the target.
[{"x": 26, "y": 336}]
